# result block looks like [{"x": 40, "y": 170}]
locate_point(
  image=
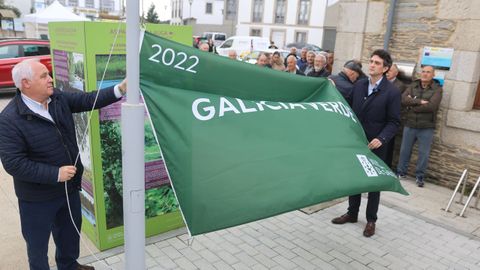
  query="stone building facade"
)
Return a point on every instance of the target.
[{"x": 417, "y": 23}]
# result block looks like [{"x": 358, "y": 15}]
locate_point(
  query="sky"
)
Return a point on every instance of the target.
[{"x": 162, "y": 7}]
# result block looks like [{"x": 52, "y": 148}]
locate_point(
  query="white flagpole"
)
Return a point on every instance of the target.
[{"x": 133, "y": 162}]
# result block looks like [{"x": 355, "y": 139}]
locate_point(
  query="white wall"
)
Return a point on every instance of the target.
[
  {"x": 198, "y": 11},
  {"x": 244, "y": 12},
  {"x": 291, "y": 18},
  {"x": 317, "y": 16},
  {"x": 268, "y": 11},
  {"x": 314, "y": 29}
]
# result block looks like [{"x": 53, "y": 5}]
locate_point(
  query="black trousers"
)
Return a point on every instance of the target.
[
  {"x": 372, "y": 205},
  {"x": 40, "y": 219}
]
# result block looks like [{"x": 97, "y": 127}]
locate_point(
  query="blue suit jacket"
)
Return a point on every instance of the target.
[
  {"x": 32, "y": 148},
  {"x": 378, "y": 113}
]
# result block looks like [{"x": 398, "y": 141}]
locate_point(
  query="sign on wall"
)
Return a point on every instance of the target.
[{"x": 439, "y": 58}]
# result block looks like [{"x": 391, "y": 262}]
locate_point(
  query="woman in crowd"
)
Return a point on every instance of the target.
[{"x": 277, "y": 62}]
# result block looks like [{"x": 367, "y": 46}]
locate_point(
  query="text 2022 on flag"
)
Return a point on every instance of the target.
[{"x": 242, "y": 143}]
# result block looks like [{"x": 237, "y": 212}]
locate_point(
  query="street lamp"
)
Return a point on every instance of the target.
[{"x": 190, "y": 2}]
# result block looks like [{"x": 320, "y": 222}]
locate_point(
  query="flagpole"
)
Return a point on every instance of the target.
[{"x": 133, "y": 144}]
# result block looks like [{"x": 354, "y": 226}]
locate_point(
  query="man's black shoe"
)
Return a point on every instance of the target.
[
  {"x": 85, "y": 267},
  {"x": 344, "y": 219}
]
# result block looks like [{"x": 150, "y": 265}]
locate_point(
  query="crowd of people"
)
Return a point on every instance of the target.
[
  {"x": 419, "y": 101},
  {"x": 385, "y": 106},
  {"x": 308, "y": 64}
]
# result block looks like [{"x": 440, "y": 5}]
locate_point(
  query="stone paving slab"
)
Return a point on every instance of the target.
[{"x": 403, "y": 241}]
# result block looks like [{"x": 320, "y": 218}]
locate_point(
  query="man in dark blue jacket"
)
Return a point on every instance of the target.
[
  {"x": 376, "y": 102},
  {"x": 344, "y": 80},
  {"x": 39, "y": 149}
]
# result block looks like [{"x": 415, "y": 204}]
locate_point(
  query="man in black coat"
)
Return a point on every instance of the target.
[
  {"x": 39, "y": 149},
  {"x": 376, "y": 103}
]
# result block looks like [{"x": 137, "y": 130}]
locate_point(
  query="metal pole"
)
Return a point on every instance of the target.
[
  {"x": 470, "y": 197},
  {"x": 388, "y": 33},
  {"x": 456, "y": 189},
  {"x": 460, "y": 200},
  {"x": 133, "y": 145},
  {"x": 190, "y": 2},
  {"x": 478, "y": 199}
]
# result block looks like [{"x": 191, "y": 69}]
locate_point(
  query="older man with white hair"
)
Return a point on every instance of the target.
[
  {"x": 204, "y": 47},
  {"x": 232, "y": 54},
  {"x": 319, "y": 67},
  {"x": 39, "y": 148},
  {"x": 292, "y": 66}
]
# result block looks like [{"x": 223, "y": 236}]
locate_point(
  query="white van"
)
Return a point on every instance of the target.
[
  {"x": 217, "y": 37},
  {"x": 243, "y": 45}
]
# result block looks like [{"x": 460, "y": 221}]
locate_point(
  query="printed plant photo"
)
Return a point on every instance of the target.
[
  {"x": 69, "y": 71},
  {"x": 159, "y": 196},
  {"x": 76, "y": 71},
  {"x": 69, "y": 77}
]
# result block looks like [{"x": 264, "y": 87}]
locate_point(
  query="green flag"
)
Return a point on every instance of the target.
[{"x": 242, "y": 143}]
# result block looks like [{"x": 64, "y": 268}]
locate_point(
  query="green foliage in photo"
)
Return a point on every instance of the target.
[
  {"x": 152, "y": 150},
  {"x": 112, "y": 172},
  {"x": 116, "y": 67},
  {"x": 159, "y": 201}
]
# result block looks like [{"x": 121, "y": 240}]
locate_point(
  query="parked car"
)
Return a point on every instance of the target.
[
  {"x": 13, "y": 51},
  {"x": 299, "y": 46},
  {"x": 217, "y": 37},
  {"x": 243, "y": 45}
]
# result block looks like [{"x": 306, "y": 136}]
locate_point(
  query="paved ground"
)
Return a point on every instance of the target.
[
  {"x": 412, "y": 233},
  {"x": 420, "y": 236}
]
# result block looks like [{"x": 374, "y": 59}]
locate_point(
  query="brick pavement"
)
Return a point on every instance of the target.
[{"x": 405, "y": 240}]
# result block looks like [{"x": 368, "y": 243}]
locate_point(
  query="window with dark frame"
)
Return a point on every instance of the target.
[
  {"x": 34, "y": 50},
  {"x": 255, "y": 32},
  {"x": 89, "y": 3},
  {"x": 231, "y": 10},
  {"x": 476, "y": 103},
  {"x": 257, "y": 15},
  {"x": 209, "y": 8},
  {"x": 106, "y": 5},
  {"x": 9, "y": 51},
  {"x": 73, "y": 3},
  {"x": 303, "y": 12},
  {"x": 280, "y": 10},
  {"x": 301, "y": 37}
]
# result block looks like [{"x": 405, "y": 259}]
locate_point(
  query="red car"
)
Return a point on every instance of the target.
[{"x": 13, "y": 51}]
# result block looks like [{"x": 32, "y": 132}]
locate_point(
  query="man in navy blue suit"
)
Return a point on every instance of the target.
[
  {"x": 376, "y": 102},
  {"x": 39, "y": 148}
]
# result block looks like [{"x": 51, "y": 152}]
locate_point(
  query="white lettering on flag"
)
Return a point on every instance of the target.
[
  {"x": 367, "y": 166},
  {"x": 204, "y": 109}
]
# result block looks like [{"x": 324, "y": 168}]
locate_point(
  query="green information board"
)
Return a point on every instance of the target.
[{"x": 91, "y": 55}]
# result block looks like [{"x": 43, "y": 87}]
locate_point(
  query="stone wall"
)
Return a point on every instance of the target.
[
  {"x": 447, "y": 161},
  {"x": 418, "y": 23}
]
